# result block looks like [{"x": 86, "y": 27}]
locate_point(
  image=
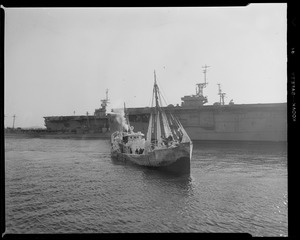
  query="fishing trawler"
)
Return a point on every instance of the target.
[{"x": 166, "y": 145}]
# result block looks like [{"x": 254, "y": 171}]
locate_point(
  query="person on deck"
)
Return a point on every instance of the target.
[
  {"x": 170, "y": 138},
  {"x": 165, "y": 140}
]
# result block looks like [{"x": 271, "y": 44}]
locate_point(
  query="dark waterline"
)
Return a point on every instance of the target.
[{"x": 73, "y": 186}]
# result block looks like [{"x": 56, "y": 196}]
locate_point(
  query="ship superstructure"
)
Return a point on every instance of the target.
[
  {"x": 199, "y": 99},
  {"x": 97, "y": 123},
  {"x": 219, "y": 121},
  {"x": 236, "y": 122}
]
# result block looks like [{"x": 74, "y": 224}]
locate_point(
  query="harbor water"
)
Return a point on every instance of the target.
[{"x": 73, "y": 186}]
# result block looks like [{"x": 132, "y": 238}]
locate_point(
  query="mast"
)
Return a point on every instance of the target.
[
  {"x": 155, "y": 91},
  {"x": 155, "y": 88},
  {"x": 204, "y": 71},
  {"x": 105, "y": 101},
  {"x": 14, "y": 116},
  {"x": 200, "y": 86},
  {"x": 87, "y": 118},
  {"x": 106, "y": 95},
  {"x": 222, "y": 95}
]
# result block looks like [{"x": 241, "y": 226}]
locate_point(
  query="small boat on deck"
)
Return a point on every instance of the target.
[{"x": 166, "y": 145}]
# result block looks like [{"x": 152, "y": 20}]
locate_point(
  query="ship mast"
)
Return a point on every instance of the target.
[
  {"x": 106, "y": 95},
  {"x": 200, "y": 86},
  {"x": 222, "y": 95},
  {"x": 204, "y": 71},
  {"x": 14, "y": 117},
  {"x": 155, "y": 91},
  {"x": 156, "y": 107},
  {"x": 105, "y": 101},
  {"x": 87, "y": 118}
]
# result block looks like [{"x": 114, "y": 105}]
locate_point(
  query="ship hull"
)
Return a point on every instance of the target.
[
  {"x": 20, "y": 135},
  {"x": 175, "y": 160},
  {"x": 59, "y": 135},
  {"x": 240, "y": 122},
  {"x": 75, "y": 136}
]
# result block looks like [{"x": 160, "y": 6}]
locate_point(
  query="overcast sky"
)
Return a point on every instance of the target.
[{"x": 60, "y": 60}]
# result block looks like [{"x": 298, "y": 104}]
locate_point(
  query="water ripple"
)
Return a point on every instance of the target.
[{"x": 73, "y": 186}]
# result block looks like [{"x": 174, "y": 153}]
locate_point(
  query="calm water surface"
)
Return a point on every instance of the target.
[{"x": 73, "y": 186}]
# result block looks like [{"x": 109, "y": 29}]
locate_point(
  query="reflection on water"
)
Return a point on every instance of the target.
[{"x": 67, "y": 186}]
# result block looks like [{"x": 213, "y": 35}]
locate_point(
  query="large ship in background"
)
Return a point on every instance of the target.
[
  {"x": 98, "y": 125},
  {"x": 231, "y": 122}
]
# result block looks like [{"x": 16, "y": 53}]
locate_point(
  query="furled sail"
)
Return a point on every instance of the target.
[
  {"x": 158, "y": 131},
  {"x": 163, "y": 125},
  {"x": 175, "y": 128},
  {"x": 185, "y": 136},
  {"x": 149, "y": 132},
  {"x": 166, "y": 125}
]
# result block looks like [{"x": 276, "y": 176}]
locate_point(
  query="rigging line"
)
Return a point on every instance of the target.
[
  {"x": 159, "y": 96},
  {"x": 149, "y": 102},
  {"x": 164, "y": 100},
  {"x": 175, "y": 120},
  {"x": 175, "y": 124},
  {"x": 163, "y": 93},
  {"x": 166, "y": 129},
  {"x": 160, "y": 109},
  {"x": 159, "y": 99},
  {"x": 151, "y": 99},
  {"x": 152, "y": 104},
  {"x": 166, "y": 103}
]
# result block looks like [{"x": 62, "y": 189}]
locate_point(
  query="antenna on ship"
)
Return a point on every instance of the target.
[
  {"x": 204, "y": 71},
  {"x": 222, "y": 95},
  {"x": 106, "y": 95},
  {"x": 14, "y": 117},
  {"x": 200, "y": 86},
  {"x": 87, "y": 120},
  {"x": 105, "y": 101}
]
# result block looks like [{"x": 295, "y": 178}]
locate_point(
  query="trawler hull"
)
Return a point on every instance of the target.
[{"x": 175, "y": 159}]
